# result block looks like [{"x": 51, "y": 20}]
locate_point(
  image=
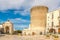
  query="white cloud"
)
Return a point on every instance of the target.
[
  {"x": 19, "y": 20},
  {"x": 15, "y": 12},
  {"x": 23, "y": 13},
  {"x": 20, "y": 24},
  {"x": 17, "y": 4},
  {"x": 8, "y": 4},
  {"x": 52, "y": 4},
  {"x": 26, "y": 12}
]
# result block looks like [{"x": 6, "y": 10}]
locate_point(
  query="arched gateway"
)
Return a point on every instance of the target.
[{"x": 8, "y": 27}]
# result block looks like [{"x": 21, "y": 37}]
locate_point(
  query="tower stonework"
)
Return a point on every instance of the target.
[
  {"x": 38, "y": 17},
  {"x": 38, "y": 21}
]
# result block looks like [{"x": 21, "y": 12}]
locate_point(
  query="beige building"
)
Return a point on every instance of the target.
[
  {"x": 53, "y": 22},
  {"x": 7, "y": 27},
  {"x": 38, "y": 20},
  {"x": 38, "y": 17}
]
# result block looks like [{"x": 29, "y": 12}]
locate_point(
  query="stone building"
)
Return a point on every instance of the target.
[
  {"x": 38, "y": 20},
  {"x": 38, "y": 17},
  {"x": 7, "y": 27},
  {"x": 43, "y": 21}
]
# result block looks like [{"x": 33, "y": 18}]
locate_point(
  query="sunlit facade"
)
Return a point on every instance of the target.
[
  {"x": 50, "y": 23},
  {"x": 53, "y": 22},
  {"x": 6, "y": 27},
  {"x": 38, "y": 20}
]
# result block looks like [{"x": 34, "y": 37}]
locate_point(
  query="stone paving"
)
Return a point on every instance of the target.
[{"x": 17, "y": 37}]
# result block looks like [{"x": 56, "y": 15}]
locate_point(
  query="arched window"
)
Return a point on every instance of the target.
[{"x": 52, "y": 31}]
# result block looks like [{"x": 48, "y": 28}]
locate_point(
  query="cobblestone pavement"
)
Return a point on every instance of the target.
[{"x": 17, "y": 37}]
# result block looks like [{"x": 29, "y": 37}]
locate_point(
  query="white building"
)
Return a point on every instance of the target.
[{"x": 52, "y": 24}]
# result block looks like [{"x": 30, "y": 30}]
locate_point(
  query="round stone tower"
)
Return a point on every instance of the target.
[{"x": 38, "y": 17}]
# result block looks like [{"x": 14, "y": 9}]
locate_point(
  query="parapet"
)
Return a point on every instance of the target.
[{"x": 39, "y": 8}]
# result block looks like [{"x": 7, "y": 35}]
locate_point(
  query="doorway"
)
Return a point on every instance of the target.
[
  {"x": 7, "y": 30},
  {"x": 33, "y": 33},
  {"x": 52, "y": 31},
  {"x": 59, "y": 30}
]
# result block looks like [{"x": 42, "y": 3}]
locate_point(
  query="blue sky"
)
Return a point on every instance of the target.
[{"x": 18, "y": 11}]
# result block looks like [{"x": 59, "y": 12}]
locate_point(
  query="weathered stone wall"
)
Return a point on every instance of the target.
[
  {"x": 38, "y": 20},
  {"x": 38, "y": 17}
]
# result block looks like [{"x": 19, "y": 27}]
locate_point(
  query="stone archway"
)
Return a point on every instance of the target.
[
  {"x": 33, "y": 33},
  {"x": 52, "y": 31},
  {"x": 7, "y": 29},
  {"x": 59, "y": 30}
]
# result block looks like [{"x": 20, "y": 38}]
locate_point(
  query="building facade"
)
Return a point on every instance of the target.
[
  {"x": 7, "y": 27},
  {"x": 43, "y": 22},
  {"x": 53, "y": 22},
  {"x": 38, "y": 17}
]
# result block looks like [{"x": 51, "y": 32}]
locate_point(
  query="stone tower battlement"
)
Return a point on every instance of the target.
[{"x": 39, "y": 7}]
